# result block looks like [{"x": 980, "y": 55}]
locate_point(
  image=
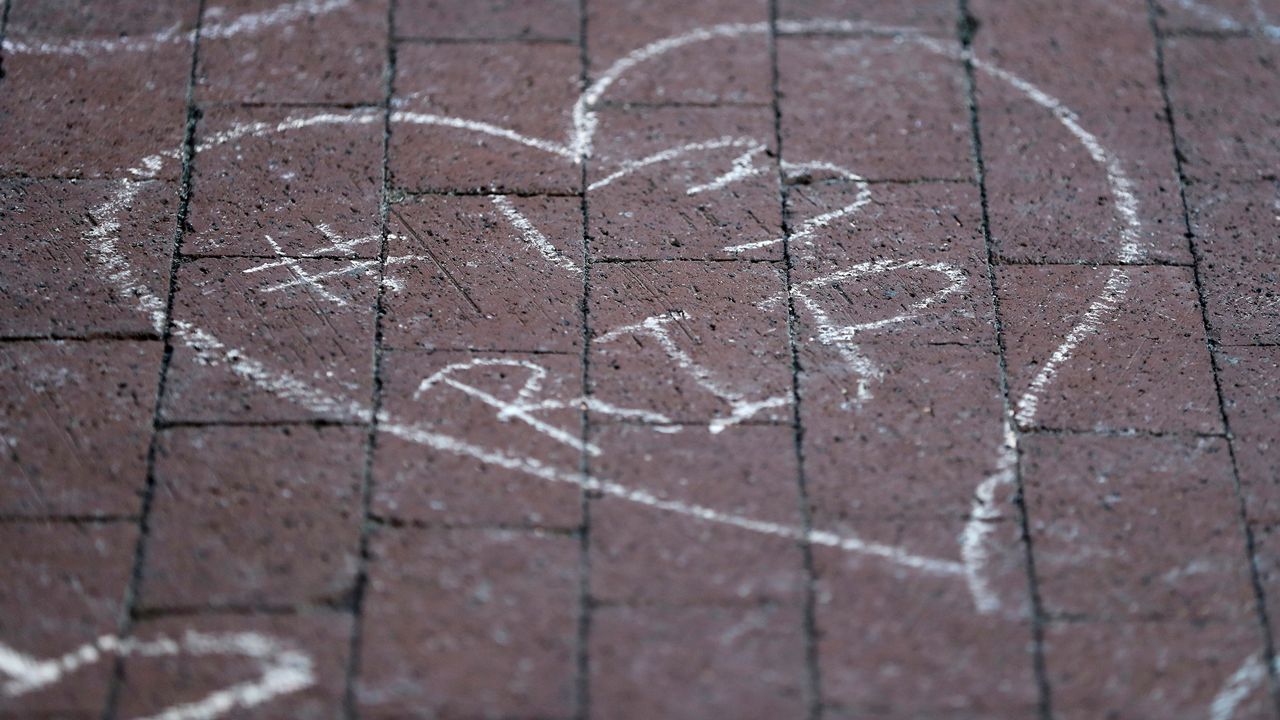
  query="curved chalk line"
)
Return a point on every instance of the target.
[
  {"x": 212, "y": 28},
  {"x": 282, "y": 669},
  {"x": 352, "y": 408}
]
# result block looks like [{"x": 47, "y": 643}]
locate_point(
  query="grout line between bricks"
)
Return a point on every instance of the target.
[
  {"x": 85, "y": 337},
  {"x": 1260, "y": 600},
  {"x": 130, "y": 602},
  {"x": 582, "y": 685},
  {"x": 59, "y": 519},
  {"x": 359, "y": 592},
  {"x": 809, "y": 627},
  {"x": 396, "y": 523},
  {"x": 966, "y": 26}
]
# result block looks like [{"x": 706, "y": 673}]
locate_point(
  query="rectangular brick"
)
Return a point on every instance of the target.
[
  {"x": 1143, "y": 366},
  {"x": 52, "y": 282},
  {"x": 909, "y": 266},
  {"x": 643, "y": 554},
  {"x": 277, "y": 323},
  {"x": 437, "y": 480},
  {"x": 879, "y": 107},
  {"x": 683, "y": 183},
  {"x": 485, "y": 273},
  {"x": 336, "y": 56},
  {"x": 698, "y": 662},
  {"x": 1167, "y": 670},
  {"x": 75, "y": 422},
  {"x": 110, "y": 75},
  {"x": 254, "y": 516},
  {"x": 1050, "y": 198},
  {"x": 317, "y": 641},
  {"x": 1236, "y": 226},
  {"x": 316, "y": 189},
  {"x": 682, "y": 340},
  {"x": 469, "y": 623},
  {"x": 1223, "y": 93},
  {"x": 936, "y": 17},
  {"x": 62, "y": 591},
  {"x": 1136, "y": 528},
  {"x": 920, "y": 647},
  {"x": 930, "y": 433},
  {"x": 488, "y": 20},
  {"x": 524, "y": 88},
  {"x": 727, "y": 69}
]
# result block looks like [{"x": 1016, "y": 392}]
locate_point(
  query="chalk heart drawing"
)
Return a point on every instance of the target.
[{"x": 284, "y": 670}]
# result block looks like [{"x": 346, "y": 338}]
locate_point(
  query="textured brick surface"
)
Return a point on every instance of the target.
[
  {"x": 880, "y": 107},
  {"x": 110, "y": 76},
  {"x": 642, "y": 555},
  {"x": 468, "y": 623},
  {"x": 320, "y": 330},
  {"x": 786, "y": 359},
  {"x": 698, "y": 662},
  {"x": 661, "y": 210},
  {"x": 331, "y": 57},
  {"x": 433, "y": 484},
  {"x": 284, "y": 532},
  {"x": 1049, "y": 200},
  {"x": 1236, "y": 229},
  {"x": 76, "y": 420},
  {"x": 152, "y": 684},
  {"x": 723, "y": 70},
  {"x": 65, "y": 588},
  {"x": 923, "y": 650},
  {"x": 1103, "y": 513},
  {"x": 527, "y": 88},
  {"x": 313, "y": 189},
  {"x": 1150, "y": 371},
  {"x": 466, "y": 277},
  {"x": 488, "y": 20},
  {"x": 1238, "y": 140},
  {"x": 1149, "y": 669},
  {"x": 50, "y": 283}
]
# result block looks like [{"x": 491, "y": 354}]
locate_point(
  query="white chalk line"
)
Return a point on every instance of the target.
[
  {"x": 533, "y": 236},
  {"x": 628, "y": 167},
  {"x": 282, "y": 669},
  {"x": 1238, "y": 686},
  {"x": 810, "y": 226},
  {"x": 212, "y": 28},
  {"x": 1225, "y": 21},
  {"x": 741, "y": 407},
  {"x": 297, "y": 390},
  {"x": 1113, "y": 292}
]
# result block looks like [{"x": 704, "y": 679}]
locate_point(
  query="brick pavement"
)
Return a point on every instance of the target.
[{"x": 617, "y": 359}]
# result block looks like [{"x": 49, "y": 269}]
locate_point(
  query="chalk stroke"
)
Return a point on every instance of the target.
[
  {"x": 533, "y": 236},
  {"x": 1251, "y": 674},
  {"x": 742, "y": 408},
  {"x": 1090, "y": 323},
  {"x": 213, "y": 27},
  {"x": 298, "y": 390},
  {"x": 1225, "y": 21},
  {"x": 282, "y": 669},
  {"x": 339, "y": 246},
  {"x": 809, "y": 227}
]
